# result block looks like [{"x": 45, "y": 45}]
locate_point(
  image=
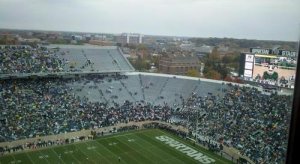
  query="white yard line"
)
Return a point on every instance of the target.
[
  {"x": 29, "y": 157},
  {"x": 110, "y": 151},
  {"x": 134, "y": 150},
  {"x": 58, "y": 156},
  {"x": 97, "y": 153},
  {"x": 86, "y": 155},
  {"x": 14, "y": 158},
  {"x": 144, "y": 150},
  {"x": 71, "y": 154},
  {"x": 43, "y": 155}
]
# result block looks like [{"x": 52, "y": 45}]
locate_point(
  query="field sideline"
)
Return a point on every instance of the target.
[{"x": 132, "y": 147}]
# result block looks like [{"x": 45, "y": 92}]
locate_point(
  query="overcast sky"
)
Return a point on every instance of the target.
[{"x": 251, "y": 19}]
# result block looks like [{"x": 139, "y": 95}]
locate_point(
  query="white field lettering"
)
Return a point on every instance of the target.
[{"x": 186, "y": 149}]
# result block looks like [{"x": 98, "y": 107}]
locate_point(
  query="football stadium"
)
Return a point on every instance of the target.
[{"x": 87, "y": 104}]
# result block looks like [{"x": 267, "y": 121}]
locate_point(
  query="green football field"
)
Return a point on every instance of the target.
[{"x": 131, "y": 147}]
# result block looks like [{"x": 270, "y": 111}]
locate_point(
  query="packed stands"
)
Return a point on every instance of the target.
[
  {"x": 21, "y": 60},
  {"x": 215, "y": 112}
]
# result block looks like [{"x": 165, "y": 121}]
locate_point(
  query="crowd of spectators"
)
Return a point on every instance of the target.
[
  {"x": 254, "y": 123},
  {"x": 31, "y": 108},
  {"x": 22, "y": 60},
  {"x": 26, "y": 59}
]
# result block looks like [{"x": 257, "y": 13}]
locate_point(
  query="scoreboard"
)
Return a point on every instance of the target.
[
  {"x": 246, "y": 65},
  {"x": 259, "y": 60},
  {"x": 278, "y": 52}
]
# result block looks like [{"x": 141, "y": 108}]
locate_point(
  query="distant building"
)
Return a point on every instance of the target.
[
  {"x": 129, "y": 38},
  {"x": 179, "y": 65},
  {"x": 77, "y": 37},
  {"x": 99, "y": 37},
  {"x": 187, "y": 46},
  {"x": 203, "y": 49},
  {"x": 148, "y": 40}
]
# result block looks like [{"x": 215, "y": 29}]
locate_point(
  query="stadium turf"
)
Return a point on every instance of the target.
[{"x": 131, "y": 147}]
